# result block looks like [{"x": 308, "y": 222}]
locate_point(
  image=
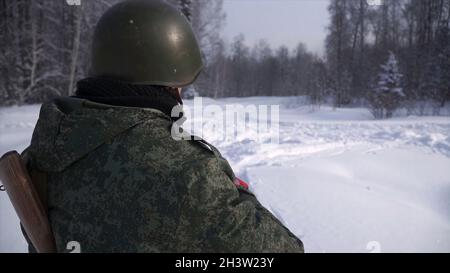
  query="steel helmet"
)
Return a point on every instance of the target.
[{"x": 146, "y": 42}]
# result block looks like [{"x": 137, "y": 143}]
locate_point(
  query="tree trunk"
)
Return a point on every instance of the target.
[{"x": 75, "y": 49}]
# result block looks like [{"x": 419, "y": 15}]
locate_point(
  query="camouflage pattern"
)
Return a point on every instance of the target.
[{"x": 118, "y": 182}]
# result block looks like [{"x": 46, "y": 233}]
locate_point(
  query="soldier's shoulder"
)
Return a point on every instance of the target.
[{"x": 152, "y": 140}]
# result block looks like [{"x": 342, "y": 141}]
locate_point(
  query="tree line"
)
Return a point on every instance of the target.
[
  {"x": 371, "y": 54},
  {"x": 414, "y": 34},
  {"x": 263, "y": 71},
  {"x": 45, "y": 44},
  {"x": 392, "y": 55},
  {"x": 44, "y": 47}
]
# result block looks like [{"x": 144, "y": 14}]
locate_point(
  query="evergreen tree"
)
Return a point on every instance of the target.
[{"x": 388, "y": 92}]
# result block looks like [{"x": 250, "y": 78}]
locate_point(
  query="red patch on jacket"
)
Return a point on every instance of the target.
[{"x": 240, "y": 184}]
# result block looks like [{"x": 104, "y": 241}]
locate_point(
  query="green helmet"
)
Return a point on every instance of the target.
[{"x": 146, "y": 42}]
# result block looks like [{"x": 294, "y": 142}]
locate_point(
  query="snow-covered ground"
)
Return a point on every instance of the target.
[{"x": 339, "y": 180}]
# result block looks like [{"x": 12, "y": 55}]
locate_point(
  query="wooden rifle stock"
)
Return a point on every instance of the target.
[{"x": 26, "y": 201}]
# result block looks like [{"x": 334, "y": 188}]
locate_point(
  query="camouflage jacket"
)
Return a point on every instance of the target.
[{"x": 118, "y": 182}]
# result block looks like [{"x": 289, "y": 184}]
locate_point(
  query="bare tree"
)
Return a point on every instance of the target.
[{"x": 338, "y": 51}]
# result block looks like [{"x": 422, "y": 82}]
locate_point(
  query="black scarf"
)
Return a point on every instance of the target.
[{"x": 111, "y": 92}]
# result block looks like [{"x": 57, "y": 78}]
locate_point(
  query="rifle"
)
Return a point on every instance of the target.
[{"x": 26, "y": 202}]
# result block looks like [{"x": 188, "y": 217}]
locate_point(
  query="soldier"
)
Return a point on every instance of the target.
[{"x": 116, "y": 180}]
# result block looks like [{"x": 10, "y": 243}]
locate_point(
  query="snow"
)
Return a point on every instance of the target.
[
  {"x": 341, "y": 181},
  {"x": 16, "y": 128},
  {"x": 342, "y": 201}
]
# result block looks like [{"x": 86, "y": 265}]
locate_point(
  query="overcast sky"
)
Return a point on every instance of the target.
[{"x": 280, "y": 22}]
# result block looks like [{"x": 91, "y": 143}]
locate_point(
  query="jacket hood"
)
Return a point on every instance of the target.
[{"x": 68, "y": 129}]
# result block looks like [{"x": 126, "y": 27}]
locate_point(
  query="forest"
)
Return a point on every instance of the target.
[{"x": 385, "y": 57}]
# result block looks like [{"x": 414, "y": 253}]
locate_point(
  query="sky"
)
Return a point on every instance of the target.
[{"x": 280, "y": 22}]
